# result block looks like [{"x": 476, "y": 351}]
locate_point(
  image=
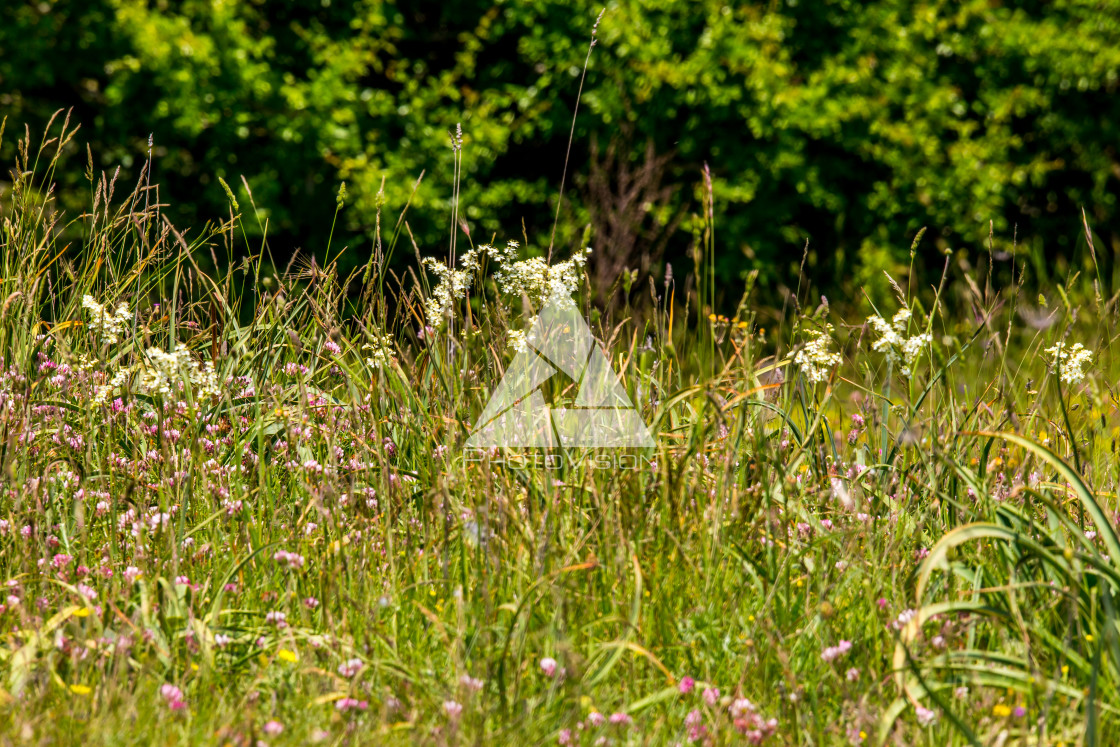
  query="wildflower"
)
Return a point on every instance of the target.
[
  {"x": 131, "y": 573},
  {"x": 548, "y": 666},
  {"x": 620, "y": 719},
  {"x": 904, "y": 617},
  {"x": 471, "y": 683},
  {"x": 350, "y": 668},
  {"x": 856, "y": 735},
  {"x": 687, "y": 684},
  {"x": 279, "y": 619},
  {"x": 109, "y": 324},
  {"x": 926, "y": 717},
  {"x": 379, "y": 351},
  {"x": 841, "y": 493},
  {"x": 273, "y": 728},
  {"x": 834, "y": 652},
  {"x": 453, "y": 285},
  {"x": 565, "y": 738},
  {"x": 1070, "y": 364},
  {"x": 900, "y": 350},
  {"x": 814, "y": 357},
  {"x": 694, "y": 722},
  {"x": 518, "y": 341},
  {"x": 596, "y": 719},
  {"x": 164, "y": 373},
  {"x": 453, "y": 709},
  {"x": 287, "y": 559},
  {"x": 740, "y": 707},
  {"x": 711, "y": 696},
  {"x": 221, "y": 640},
  {"x": 173, "y": 697},
  {"x": 852, "y": 674},
  {"x": 351, "y": 704}
]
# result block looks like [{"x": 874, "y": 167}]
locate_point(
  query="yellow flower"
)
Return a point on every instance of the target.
[
  {"x": 80, "y": 689},
  {"x": 83, "y": 612},
  {"x": 288, "y": 656},
  {"x": 999, "y": 710}
]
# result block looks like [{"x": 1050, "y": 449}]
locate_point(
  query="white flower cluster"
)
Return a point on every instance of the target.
[
  {"x": 163, "y": 371},
  {"x": 453, "y": 285},
  {"x": 379, "y": 351},
  {"x": 101, "y": 396},
  {"x": 815, "y": 359},
  {"x": 899, "y": 349},
  {"x": 1070, "y": 363},
  {"x": 518, "y": 339},
  {"x": 109, "y": 324},
  {"x": 532, "y": 277}
]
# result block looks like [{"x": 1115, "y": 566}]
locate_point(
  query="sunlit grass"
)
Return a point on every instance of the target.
[{"x": 902, "y": 534}]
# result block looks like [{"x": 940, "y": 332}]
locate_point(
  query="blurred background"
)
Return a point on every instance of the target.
[{"x": 834, "y": 129}]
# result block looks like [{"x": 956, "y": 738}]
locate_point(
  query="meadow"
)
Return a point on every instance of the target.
[{"x": 237, "y": 509}]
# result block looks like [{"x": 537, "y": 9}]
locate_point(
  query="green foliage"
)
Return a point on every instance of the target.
[{"x": 847, "y": 123}]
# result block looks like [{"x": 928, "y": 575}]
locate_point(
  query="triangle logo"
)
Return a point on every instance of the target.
[{"x": 602, "y": 414}]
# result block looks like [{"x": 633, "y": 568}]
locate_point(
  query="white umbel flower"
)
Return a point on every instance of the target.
[
  {"x": 1070, "y": 362},
  {"x": 109, "y": 324},
  {"x": 379, "y": 351},
  {"x": 900, "y": 350},
  {"x": 164, "y": 373},
  {"x": 815, "y": 359}
]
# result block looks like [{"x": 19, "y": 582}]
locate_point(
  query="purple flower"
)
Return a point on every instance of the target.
[
  {"x": 351, "y": 704},
  {"x": 834, "y": 652},
  {"x": 350, "y": 668}
]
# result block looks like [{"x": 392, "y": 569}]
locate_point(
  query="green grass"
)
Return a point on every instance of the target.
[{"x": 141, "y": 528}]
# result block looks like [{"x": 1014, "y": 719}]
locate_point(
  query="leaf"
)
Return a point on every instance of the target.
[{"x": 1100, "y": 520}]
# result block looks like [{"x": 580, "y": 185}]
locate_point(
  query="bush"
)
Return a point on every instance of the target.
[{"x": 847, "y": 124}]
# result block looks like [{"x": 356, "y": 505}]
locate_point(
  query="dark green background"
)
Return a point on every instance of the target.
[{"x": 847, "y": 124}]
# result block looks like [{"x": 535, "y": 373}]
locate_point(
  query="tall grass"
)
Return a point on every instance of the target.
[{"x": 276, "y": 535}]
